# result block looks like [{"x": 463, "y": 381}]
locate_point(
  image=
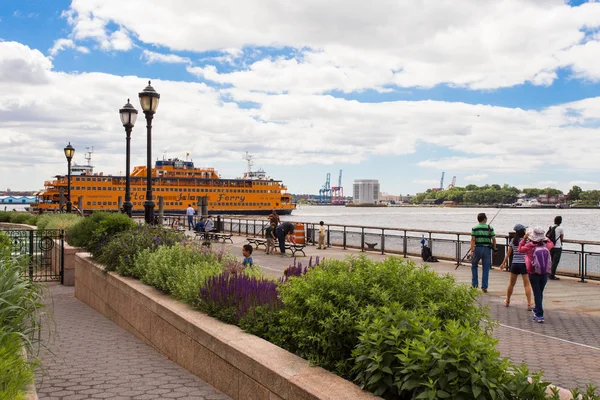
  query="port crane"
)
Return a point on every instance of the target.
[
  {"x": 325, "y": 191},
  {"x": 337, "y": 192}
]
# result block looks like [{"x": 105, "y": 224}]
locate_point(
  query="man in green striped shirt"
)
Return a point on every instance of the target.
[{"x": 483, "y": 240}]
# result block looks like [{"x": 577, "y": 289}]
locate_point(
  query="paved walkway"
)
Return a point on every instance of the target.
[
  {"x": 90, "y": 357},
  {"x": 570, "y": 336}
]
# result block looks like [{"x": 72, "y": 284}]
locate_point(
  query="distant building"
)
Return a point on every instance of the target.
[
  {"x": 366, "y": 191},
  {"x": 17, "y": 199}
]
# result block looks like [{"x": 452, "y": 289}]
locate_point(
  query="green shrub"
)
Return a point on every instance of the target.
[
  {"x": 177, "y": 270},
  {"x": 411, "y": 354},
  {"x": 5, "y": 216},
  {"x": 92, "y": 232},
  {"x": 21, "y": 218},
  {"x": 17, "y": 373},
  {"x": 110, "y": 225},
  {"x": 57, "y": 221},
  {"x": 321, "y": 309},
  {"x": 121, "y": 249}
]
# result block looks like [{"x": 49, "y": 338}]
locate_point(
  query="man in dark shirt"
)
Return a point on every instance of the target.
[{"x": 284, "y": 229}]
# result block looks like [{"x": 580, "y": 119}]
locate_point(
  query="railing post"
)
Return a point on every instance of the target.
[
  {"x": 405, "y": 245},
  {"x": 383, "y": 241},
  {"x": 430, "y": 243},
  {"x": 254, "y": 226},
  {"x": 344, "y": 238},
  {"x": 458, "y": 258},
  {"x": 31, "y": 243},
  {"x": 583, "y": 264},
  {"x": 362, "y": 239},
  {"x": 328, "y": 236},
  {"x": 62, "y": 256},
  {"x": 240, "y": 227}
]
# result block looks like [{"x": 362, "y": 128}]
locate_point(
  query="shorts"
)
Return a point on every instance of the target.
[{"x": 518, "y": 269}]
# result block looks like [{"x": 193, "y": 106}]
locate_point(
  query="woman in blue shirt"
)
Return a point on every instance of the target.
[{"x": 517, "y": 266}]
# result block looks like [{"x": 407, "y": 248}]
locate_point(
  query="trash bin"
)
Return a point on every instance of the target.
[{"x": 498, "y": 256}]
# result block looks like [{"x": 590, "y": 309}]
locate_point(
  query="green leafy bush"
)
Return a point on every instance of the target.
[
  {"x": 321, "y": 310},
  {"x": 177, "y": 270},
  {"x": 410, "y": 354},
  {"x": 57, "y": 221},
  {"x": 21, "y": 218},
  {"x": 110, "y": 225},
  {"x": 5, "y": 216},
  {"x": 93, "y": 232},
  {"x": 120, "y": 251}
]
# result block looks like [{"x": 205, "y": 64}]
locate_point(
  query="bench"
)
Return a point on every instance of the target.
[
  {"x": 257, "y": 242},
  {"x": 223, "y": 237},
  {"x": 371, "y": 246}
]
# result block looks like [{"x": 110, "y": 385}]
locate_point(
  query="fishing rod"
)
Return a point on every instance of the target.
[{"x": 459, "y": 263}]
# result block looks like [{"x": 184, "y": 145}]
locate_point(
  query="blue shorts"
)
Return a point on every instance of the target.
[{"x": 518, "y": 269}]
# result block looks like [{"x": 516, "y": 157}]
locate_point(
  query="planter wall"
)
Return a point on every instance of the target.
[{"x": 241, "y": 365}]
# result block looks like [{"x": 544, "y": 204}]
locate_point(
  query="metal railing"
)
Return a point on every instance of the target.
[{"x": 579, "y": 259}]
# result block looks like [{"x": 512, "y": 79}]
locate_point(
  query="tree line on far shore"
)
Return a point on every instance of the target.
[{"x": 505, "y": 194}]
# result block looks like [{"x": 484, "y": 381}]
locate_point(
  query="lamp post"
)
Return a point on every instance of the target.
[
  {"x": 128, "y": 116},
  {"x": 69, "y": 153},
  {"x": 149, "y": 101}
]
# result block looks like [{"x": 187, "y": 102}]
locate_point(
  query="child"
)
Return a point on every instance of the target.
[
  {"x": 247, "y": 252},
  {"x": 270, "y": 235},
  {"x": 536, "y": 247},
  {"x": 321, "y": 236},
  {"x": 517, "y": 266}
]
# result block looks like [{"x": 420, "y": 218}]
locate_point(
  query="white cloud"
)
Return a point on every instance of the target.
[
  {"x": 296, "y": 128},
  {"x": 476, "y": 177},
  {"x": 87, "y": 26},
  {"x": 61, "y": 44},
  {"x": 152, "y": 57},
  {"x": 355, "y": 45}
]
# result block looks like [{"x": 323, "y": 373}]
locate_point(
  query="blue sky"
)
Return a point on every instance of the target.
[{"x": 491, "y": 93}]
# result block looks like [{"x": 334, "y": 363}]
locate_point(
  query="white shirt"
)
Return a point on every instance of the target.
[
  {"x": 322, "y": 230},
  {"x": 558, "y": 232},
  {"x": 208, "y": 226},
  {"x": 190, "y": 211}
]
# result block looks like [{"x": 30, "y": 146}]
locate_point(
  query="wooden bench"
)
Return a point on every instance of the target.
[
  {"x": 295, "y": 248},
  {"x": 258, "y": 242},
  {"x": 216, "y": 236}
]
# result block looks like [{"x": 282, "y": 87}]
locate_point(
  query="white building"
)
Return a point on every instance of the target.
[{"x": 366, "y": 191}]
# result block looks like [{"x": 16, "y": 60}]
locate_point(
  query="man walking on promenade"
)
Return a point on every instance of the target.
[
  {"x": 483, "y": 240},
  {"x": 286, "y": 228},
  {"x": 556, "y": 235},
  {"x": 190, "y": 214}
]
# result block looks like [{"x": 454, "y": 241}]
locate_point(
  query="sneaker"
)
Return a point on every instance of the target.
[
  {"x": 539, "y": 320},
  {"x": 484, "y": 290},
  {"x": 554, "y": 278}
]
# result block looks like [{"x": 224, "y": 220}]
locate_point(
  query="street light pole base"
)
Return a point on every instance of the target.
[
  {"x": 149, "y": 211},
  {"x": 69, "y": 207},
  {"x": 127, "y": 207}
]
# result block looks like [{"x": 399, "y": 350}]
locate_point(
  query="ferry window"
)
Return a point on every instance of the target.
[
  {"x": 88, "y": 179},
  {"x": 103, "y": 203},
  {"x": 76, "y": 179},
  {"x": 93, "y": 203},
  {"x": 89, "y": 203}
]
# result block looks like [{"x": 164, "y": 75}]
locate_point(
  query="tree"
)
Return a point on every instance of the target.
[{"x": 574, "y": 193}]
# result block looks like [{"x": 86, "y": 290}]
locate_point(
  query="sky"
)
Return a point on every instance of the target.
[{"x": 489, "y": 91}]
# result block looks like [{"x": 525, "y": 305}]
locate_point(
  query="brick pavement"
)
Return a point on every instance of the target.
[
  {"x": 90, "y": 357},
  {"x": 570, "y": 337}
]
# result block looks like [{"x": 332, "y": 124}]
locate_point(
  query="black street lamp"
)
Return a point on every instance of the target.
[
  {"x": 128, "y": 116},
  {"x": 69, "y": 153},
  {"x": 149, "y": 101}
]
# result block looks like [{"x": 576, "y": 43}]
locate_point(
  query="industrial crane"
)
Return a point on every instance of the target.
[
  {"x": 325, "y": 191},
  {"x": 337, "y": 192}
]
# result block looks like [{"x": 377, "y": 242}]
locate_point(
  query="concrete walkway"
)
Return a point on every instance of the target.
[
  {"x": 570, "y": 336},
  {"x": 90, "y": 357}
]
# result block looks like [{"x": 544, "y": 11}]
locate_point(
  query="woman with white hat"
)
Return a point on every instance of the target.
[
  {"x": 536, "y": 247},
  {"x": 517, "y": 267}
]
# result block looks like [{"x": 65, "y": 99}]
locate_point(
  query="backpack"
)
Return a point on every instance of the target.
[
  {"x": 426, "y": 255},
  {"x": 551, "y": 234},
  {"x": 541, "y": 260}
]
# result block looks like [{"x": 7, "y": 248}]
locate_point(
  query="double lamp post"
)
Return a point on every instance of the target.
[{"x": 149, "y": 99}]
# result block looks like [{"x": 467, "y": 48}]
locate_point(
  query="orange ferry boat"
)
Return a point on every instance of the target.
[{"x": 177, "y": 181}]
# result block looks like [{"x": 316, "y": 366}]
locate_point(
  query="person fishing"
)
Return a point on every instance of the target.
[{"x": 483, "y": 240}]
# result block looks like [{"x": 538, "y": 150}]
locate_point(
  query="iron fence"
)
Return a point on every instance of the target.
[{"x": 44, "y": 250}]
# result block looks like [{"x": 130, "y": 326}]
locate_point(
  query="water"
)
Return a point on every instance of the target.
[
  {"x": 11, "y": 207},
  {"x": 579, "y": 224}
]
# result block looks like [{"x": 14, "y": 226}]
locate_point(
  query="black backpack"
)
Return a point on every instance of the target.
[
  {"x": 551, "y": 234},
  {"x": 426, "y": 255}
]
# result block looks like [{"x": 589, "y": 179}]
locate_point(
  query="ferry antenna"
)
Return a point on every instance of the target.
[{"x": 88, "y": 155}]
